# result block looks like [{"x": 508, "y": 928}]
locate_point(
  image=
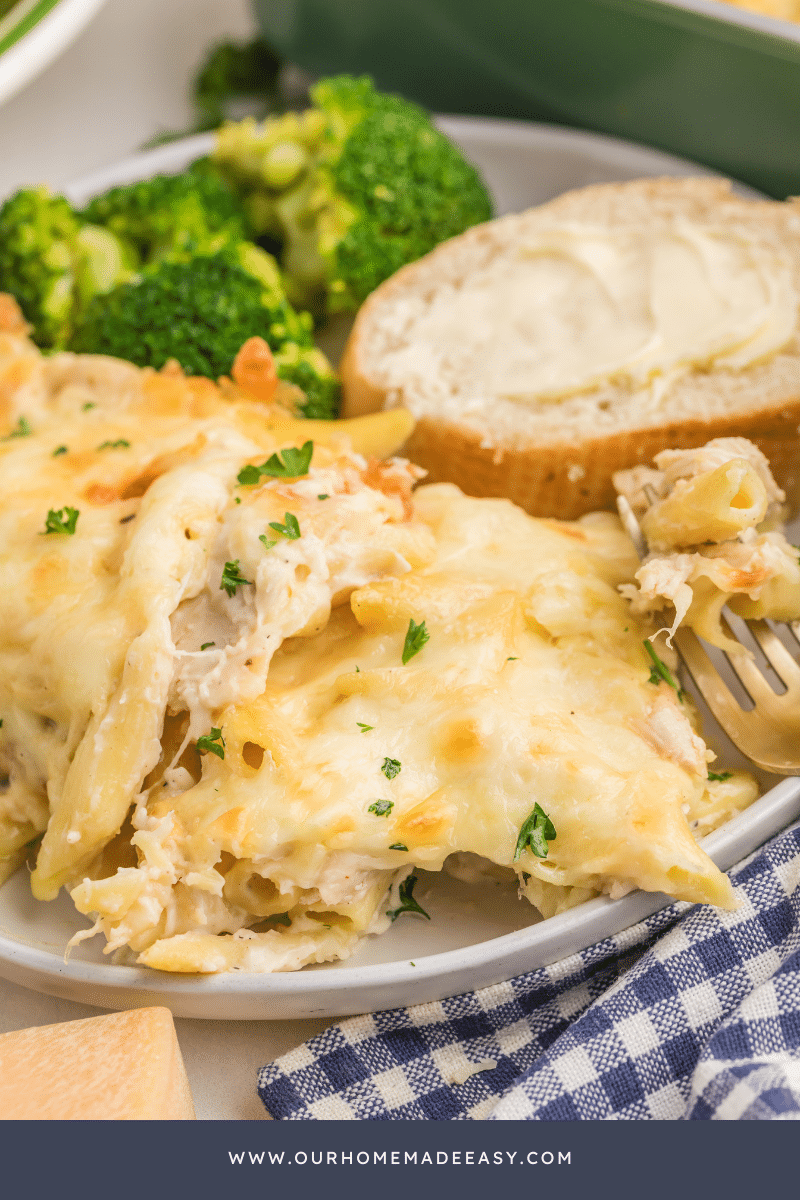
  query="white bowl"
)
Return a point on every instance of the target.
[
  {"x": 478, "y": 935},
  {"x": 34, "y": 33}
]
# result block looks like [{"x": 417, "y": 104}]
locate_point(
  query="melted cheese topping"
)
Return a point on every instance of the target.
[{"x": 123, "y": 655}]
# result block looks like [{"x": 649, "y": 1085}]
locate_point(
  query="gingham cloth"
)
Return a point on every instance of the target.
[{"x": 694, "y": 1014}]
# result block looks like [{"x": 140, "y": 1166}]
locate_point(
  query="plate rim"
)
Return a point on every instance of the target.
[
  {"x": 42, "y": 33},
  {"x": 347, "y": 990}
]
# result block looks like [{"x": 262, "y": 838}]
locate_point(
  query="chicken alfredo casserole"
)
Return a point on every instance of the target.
[{"x": 249, "y": 684}]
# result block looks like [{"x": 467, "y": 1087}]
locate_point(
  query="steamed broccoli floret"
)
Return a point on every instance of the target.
[
  {"x": 52, "y": 264},
  {"x": 308, "y": 368},
  {"x": 171, "y": 216},
  {"x": 231, "y": 72},
  {"x": 199, "y": 312},
  {"x": 368, "y": 185}
]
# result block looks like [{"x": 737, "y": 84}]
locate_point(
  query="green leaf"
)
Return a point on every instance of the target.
[
  {"x": 21, "y": 429},
  {"x": 381, "y": 808},
  {"x": 323, "y": 496},
  {"x": 364, "y": 728},
  {"x": 89, "y": 404},
  {"x": 249, "y": 474},
  {"x": 119, "y": 444},
  {"x": 207, "y": 645},
  {"x": 398, "y": 846},
  {"x": 62, "y": 520},
  {"x": 416, "y": 637},
  {"x": 660, "y": 671},
  {"x": 290, "y": 530},
  {"x": 231, "y": 577},
  {"x": 535, "y": 833},
  {"x": 267, "y": 543},
  {"x": 719, "y": 777},
  {"x": 59, "y": 450},
  {"x": 391, "y": 767},
  {"x": 290, "y": 463},
  {"x": 212, "y": 743},
  {"x": 407, "y": 901}
]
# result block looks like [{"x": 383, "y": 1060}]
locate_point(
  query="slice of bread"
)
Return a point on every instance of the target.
[{"x": 555, "y": 456}]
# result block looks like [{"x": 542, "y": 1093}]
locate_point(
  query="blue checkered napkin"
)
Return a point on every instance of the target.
[{"x": 692, "y": 1014}]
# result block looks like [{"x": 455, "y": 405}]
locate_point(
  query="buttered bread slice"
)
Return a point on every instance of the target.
[{"x": 543, "y": 351}]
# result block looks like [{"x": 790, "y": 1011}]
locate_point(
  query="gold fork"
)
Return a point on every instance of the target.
[{"x": 769, "y": 733}]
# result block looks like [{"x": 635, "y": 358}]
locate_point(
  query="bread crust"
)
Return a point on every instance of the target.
[
  {"x": 566, "y": 480},
  {"x": 566, "y": 477}
]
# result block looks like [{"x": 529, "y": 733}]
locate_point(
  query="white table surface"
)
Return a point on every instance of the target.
[{"x": 124, "y": 80}]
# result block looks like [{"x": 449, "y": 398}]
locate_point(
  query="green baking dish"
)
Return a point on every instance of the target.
[{"x": 698, "y": 78}]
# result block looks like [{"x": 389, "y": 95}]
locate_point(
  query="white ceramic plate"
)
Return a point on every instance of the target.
[
  {"x": 35, "y": 32},
  {"x": 478, "y": 935}
]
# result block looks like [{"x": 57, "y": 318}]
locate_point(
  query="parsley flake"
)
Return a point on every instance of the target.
[
  {"x": 267, "y": 543},
  {"x": 207, "y": 645},
  {"x": 660, "y": 671},
  {"x": 290, "y": 463},
  {"x": 391, "y": 767},
  {"x": 119, "y": 444},
  {"x": 89, "y": 404},
  {"x": 535, "y": 833},
  {"x": 398, "y": 846},
  {"x": 21, "y": 429},
  {"x": 212, "y": 743},
  {"x": 290, "y": 530},
  {"x": 58, "y": 451},
  {"x": 237, "y": 499},
  {"x": 416, "y": 637},
  {"x": 407, "y": 901},
  {"x": 364, "y": 728},
  {"x": 719, "y": 776},
  {"x": 231, "y": 577},
  {"x": 511, "y": 658},
  {"x": 61, "y": 520},
  {"x": 381, "y": 808},
  {"x": 323, "y": 496}
]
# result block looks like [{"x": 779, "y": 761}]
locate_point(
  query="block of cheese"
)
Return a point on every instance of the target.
[{"x": 126, "y": 1066}]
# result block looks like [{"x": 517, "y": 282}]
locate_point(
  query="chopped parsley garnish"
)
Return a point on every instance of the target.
[
  {"x": 398, "y": 846},
  {"x": 237, "y": 499},
  {"x": 21, "y": 429},
  {"x": 660, "y": 671},
  {"x": 212, "y": 743},
  {"x": 207, "y": 645},
  {"x": 323, "y": 496},
  {"x": 290, "y": 530},
  {"x": 391, "y": 767},
  {"x": 231, "y": 577},
  {"x": 381, "y": 808},
  {"x": 535, "y": 833},
  {"x": 511, "y": 658},
  {"x": 119, "y": 444},
  {"x": 364, "y": 728},
  {"x": 416, "y": 637},
  {"x": 267, "y": 543},
  {"x": 89, "y": 404},
  {"x": 719, "y": 776},
  {"x": 58, "y": 451},
  {"x": 407, "y": 901},
  {"x": 61, "y": 520},
  {"x": 290, "y": 463}
]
